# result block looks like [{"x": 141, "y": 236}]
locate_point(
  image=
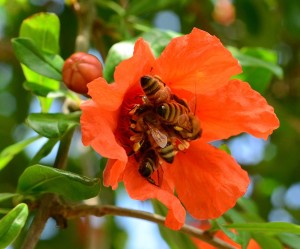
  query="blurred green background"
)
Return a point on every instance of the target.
[{"x": 274, "y": 165}]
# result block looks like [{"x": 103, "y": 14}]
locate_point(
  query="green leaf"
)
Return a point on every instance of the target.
[
  {"x": 247, "y": 205},
  {"x": 138, "y": 8},
  {"x": 271, "y": 227},
  {"x": 43, "y": 29},
  {"x": 225, "y": 148},
  {"x": 53, "y": 125},
  {"x": 44, "y": 151},
  {"x": 291, "y": 240},
  {"x": 221, "y": 223},
  {"x": 259, "y": 65},
  {"x": 9, "y": 152},
  {"x": 117, "y": 53},
  {"x": 12, "y": 223},
  {"x": 49, "y": 65},
  {"x": 174, "y": 239},
  {"x": 159, "y": 39},
  {"x": 6, "y": 196},
  {"x": 267, "y": 242},
  {"x": 237, "y": 217},
  {"x": 39, "y": 179},
  {"x": 44, "y": 90}
]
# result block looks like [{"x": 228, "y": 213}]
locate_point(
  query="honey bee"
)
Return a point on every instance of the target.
[
  {"x": 161, "y": 126},
  {"x": 178, "y": 114},
  {"x": 194, "y": 130},
  {"x": 144, "y": 122},
  {"x": 149, "y": 165},
  {"x": 173, "y": 113},
  {"x": 155, "y": 90},
  {"x": 167, "y": 153}
]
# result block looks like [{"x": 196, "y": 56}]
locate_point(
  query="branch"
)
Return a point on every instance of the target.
[
  {"x": 85, "y": 11},
  {"x": 38, "y": 223},
  {"x": 71, "y": 212}
]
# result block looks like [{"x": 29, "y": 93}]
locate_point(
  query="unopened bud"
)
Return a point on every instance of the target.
[{"x": 80, "y": 69}]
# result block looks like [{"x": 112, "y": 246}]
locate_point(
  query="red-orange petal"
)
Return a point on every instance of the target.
[
  {"x": 108, "y": 96},
  {"x": 208, "y": 181},
  {"x": 233, "y": 109},
  {"x": 140, "y": 189},
  {"x": 197, "y": 62},
  {"x": 98, "y": 126},
  {"x": 113, "y": 173},
  {"x": 129, "y": 72}
]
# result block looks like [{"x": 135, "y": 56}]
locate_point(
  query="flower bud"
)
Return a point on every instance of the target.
[{"x": 80, "y": 69}]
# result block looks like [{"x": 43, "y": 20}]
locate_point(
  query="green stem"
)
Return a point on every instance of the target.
[{"x": 63, "y": 150}]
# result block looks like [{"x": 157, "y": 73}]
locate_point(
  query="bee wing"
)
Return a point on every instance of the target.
[{"x": 160, "y": 138}]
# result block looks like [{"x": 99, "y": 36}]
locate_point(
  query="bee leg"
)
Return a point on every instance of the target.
[
  {"x": 149, "y": 179},
  {"x": 130, "y": 153},
  {"x": 133, "y": 110}
]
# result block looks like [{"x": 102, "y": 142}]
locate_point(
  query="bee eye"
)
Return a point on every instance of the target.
[
  {"x": 144, "y": 80},
  {"x": 146, "y": 170},
  {"x": 161, "y": 110}
]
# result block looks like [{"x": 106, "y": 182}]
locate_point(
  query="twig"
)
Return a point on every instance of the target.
[
  {"x": 63, "y": 150},
  {"x": 85, "y": 12},
  {"x": 70, "y": 212},
  {"x": 38, "y": 223}
]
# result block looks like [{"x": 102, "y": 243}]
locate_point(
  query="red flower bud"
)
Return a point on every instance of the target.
[{"x": 79, "y": 69}]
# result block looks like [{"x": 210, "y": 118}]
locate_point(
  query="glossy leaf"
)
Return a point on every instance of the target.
[
  {"x": 49, "y": 65},
  {"x": 225, "y": 148},
  {"x": 117, "y": 53},
  {"x": 291, "y": 240},
  {"x": 221, "y": 223},
  {"x": 6, "y": 196},
  {"x": 42, "y": 86},
  {"x": 271, "y": 227},
  {"x": 237, "y": 217},
  {"x": 174, "y": 239},
  {"x": 43, "y": 29},
  {"x": 12, "y": 223},
  {"x": 146, "y": 6},
  {"x": 9, "y": 152},
  {"x": 159, "y": 39},
  {"x": 52, "y": 125},
  {"x": 44, "y": 151},
  {"x": 259, "y": 65},
  {"x": 39, "y": 179},
  {"x": 267, "y": 242},
  {"x": 44, "y": 90}
]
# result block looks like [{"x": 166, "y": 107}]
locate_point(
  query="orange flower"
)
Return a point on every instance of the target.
[{"x": 197, "y": 68}]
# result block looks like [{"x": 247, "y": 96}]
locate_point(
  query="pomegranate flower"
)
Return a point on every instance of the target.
[{"x": 169, "y": 158}]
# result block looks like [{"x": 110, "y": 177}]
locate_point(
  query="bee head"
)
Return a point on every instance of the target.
[
  {"x": 161, "y": 110},
  {"x": 144, "y": 80}
]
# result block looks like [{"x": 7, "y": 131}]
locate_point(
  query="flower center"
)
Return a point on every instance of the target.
[{"x": 160, "y": 126}]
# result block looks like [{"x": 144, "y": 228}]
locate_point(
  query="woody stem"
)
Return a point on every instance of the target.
[{"x": 71, "y": 212}]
